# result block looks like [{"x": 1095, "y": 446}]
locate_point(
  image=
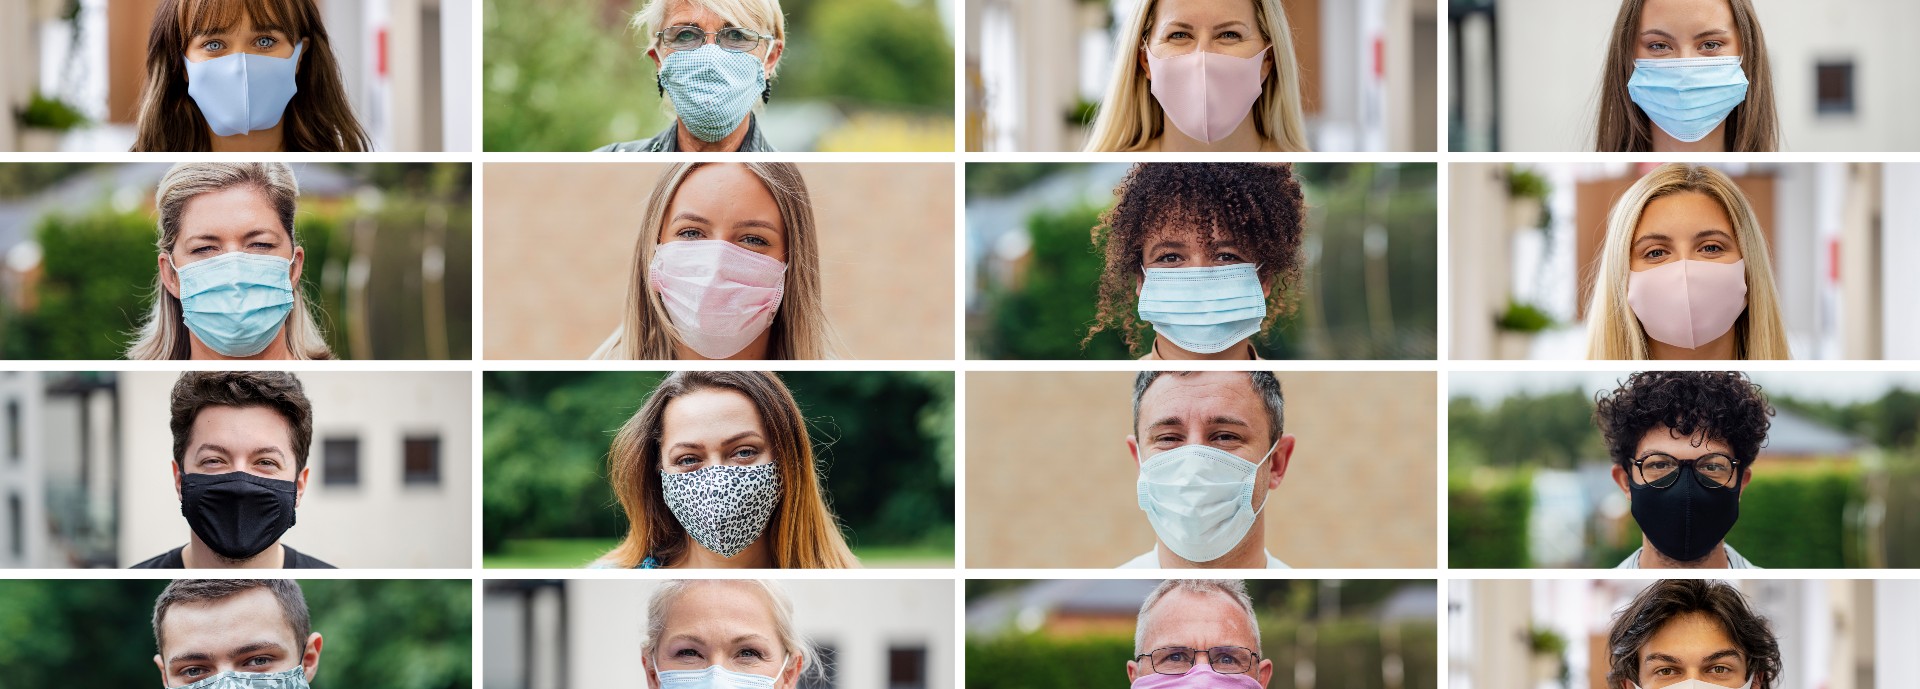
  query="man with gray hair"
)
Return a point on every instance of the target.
[
  {"x": 1210, "y": 448},
  {"x": 1198, "y": 633}
]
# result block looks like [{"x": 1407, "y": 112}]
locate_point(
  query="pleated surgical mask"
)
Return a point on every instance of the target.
[
  {"x": 1199, "y": 499},
  {"x": 718, "y": 295},
  {"x": 716, "y": 677},
  {"x": 1204, "y": 310},
  {"x": 236, "y": 303}
]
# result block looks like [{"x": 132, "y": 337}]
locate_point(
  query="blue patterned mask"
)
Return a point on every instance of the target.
[
  {"x": 295, "y": 678},
  {"x": 1688, "y": 96},
  {"x": 1204, "y": 310},
  {"x": 243, "y": 93},
  {"x": 237, "y": 301},
  {"x": 712, "y": 88}
]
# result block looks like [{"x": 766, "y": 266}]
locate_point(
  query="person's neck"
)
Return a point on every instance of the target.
[
  {"x": 275, "y": 351},
  {"x": 198, "y": 556},
  {"x": 1720, "y": 349},
  {"x": 758, "y": 349},
  {"x": 1244, "y": 138},
  {"x": 1251, "y": 553},
  {"x": 756, "y": 556},
  {"x": 1652, "y": 558},
  {"x": 1168, "y": 351},
  {"x": 689, "y": 143},
  {"x": 1714, "y": 142},
  {"x": 262, "y": 141}
]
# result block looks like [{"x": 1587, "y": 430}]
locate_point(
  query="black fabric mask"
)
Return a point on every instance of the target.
[
  {"x": 237, "y": 514},
  {"x": 1686, "y": 520}
]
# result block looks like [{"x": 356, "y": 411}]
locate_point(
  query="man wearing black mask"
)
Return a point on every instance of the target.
[
  {"x": 1683, "y": 445},
  {"x": 240, "y": 441}
]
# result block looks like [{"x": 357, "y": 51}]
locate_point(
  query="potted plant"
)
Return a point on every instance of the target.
[
  {"x": 1516, "y": 327},
  {"x": 1549, "y": 657},
  {"x": 44, "y": 120},
  {"x": 1527, "y": 200}
]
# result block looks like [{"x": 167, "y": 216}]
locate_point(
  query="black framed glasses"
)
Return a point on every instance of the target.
[
  {"x": 731, "y": 39},
  {"x": 1177, "y": 660},
  {"x": 1712, "y": 470}
]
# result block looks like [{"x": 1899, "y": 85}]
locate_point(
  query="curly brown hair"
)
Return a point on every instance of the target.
[
  {"x": 1667, "y": 599},
  {"x": 1702, "y": 405},
  {"x": 1258, "y": 205},
  {"x": 276, "y": 390}
]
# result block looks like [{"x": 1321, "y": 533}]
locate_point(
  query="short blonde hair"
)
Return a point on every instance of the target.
[
  {"x": 1130, "y": 117},
  {"x": 1612, "y": 329},
  {"x": 763, "y": 16},
  {"x": 775, "y": 596},
  {"x": 1234, "y": 590}
]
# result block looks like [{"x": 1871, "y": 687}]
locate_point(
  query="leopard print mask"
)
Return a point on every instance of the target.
[{"x": 723, "y": 508}]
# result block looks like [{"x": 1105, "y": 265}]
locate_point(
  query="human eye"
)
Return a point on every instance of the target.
[
  {"x": 686, "y": 653},
  {"x": 684, "y": 461},
  {"x": 751, "y": 653},
  {"x": 258, "y": 661},
  {"x": 755, "y": 240},
  {"x": 747, "y": 453},
  {"x": 1658, "y": 47},
  {"x": 1226, "y": 437},
  {"x": 684, "y": 34},
  {"x": 1177, "y": 36},
  {"x": 263, "y": 246},
  {"x": 1713, "y": 248},
  {"x": 1228, "y": 257},
  {"x": 192, "y": 671},
  {"x": 214, "y": 45},
  {"x": 265, "y": 42},
  {"x": 733, "y": 33},
  {"x": 268, "y": 463},
  {"x": 1655, "y": 254},
  {"x": 1229, "y": 36},
  {"x": 689, "y": 233},
  {"x": 1179, "y": 655},
  {"x": 1712, "y": 46},
  {"x": 204, "y": 250},
  {"x": 1169, "y": 258}
]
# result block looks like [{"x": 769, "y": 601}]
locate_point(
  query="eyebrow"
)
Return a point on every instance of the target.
[
  {"x": 255, "y": 647},
  {"x": 215, "y": 238},
  {"x": 1716, "y": 655},
  {"x": 223, "y": 450},
  {"x": 220, "y": 30},
  {"x": 1217, "y": 420},
  {"x": 1216, "y": 27},
  {"x": 1703, "y": 34},
  {"x": 1657, "y": 237},
  {"x": 729, "y": 441},
  {"x": 690, "y": 215},
  {"x": 757, "y": 223}
]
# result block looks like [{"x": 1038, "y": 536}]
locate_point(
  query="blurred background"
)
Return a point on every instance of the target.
[
  {"x": 886, "y": 255},
  {"x": 1367, "y": 281},
  {"x": 1320, "y": 634},
  {"x": 1527, "y": 238},
  {"x": 71, "y": 71},
  {"x": 857, "y": 75},
  {"x": 395, "y": 634},
  {"x": 1552, "y": 633},
  {"x": 87, "y": 481},
  {"x": 1837, "y": 484},
  {"x": 1038, "y": 69},
  {"x": 882, "y": 440},
  {"x": 1365, "y": 446},
  {"x": 389, "y": 257},
  {"x": 871, "y": 633},
  {"x": 1841, "y": 77}
]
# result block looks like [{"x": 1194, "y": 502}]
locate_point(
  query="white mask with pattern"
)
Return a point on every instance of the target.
[{"x": 724, "y": 508}]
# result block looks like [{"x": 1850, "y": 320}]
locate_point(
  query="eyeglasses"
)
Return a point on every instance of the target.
[
  {"x": 1661, "y": 470},
  {"x": 1177, "y": 660},
  {"x": 732, "y": 39}
]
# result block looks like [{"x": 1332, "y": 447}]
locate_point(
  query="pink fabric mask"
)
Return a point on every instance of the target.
[
  {"x": 1201, "y": 676},
  {"x": 1206, "y": 95},
  {"x": 1688, "y": 303},
  {"x": 719, "y": 296}
]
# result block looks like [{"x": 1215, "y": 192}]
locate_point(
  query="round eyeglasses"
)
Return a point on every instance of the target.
[
  {"x": 1713, "y": 470},
  {"x": 731, "y": 39},
  {"x": 1178, "y": 660}
]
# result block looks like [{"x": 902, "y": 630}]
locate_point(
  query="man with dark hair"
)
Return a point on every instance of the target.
[
  {"x": 240, "y": 441},
  {"x": 1691, "y": 634},
  {"x": 234, "y": 634},
  {"x": 1683, "y": 445}
]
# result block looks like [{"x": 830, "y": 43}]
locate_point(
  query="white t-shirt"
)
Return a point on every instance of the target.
[
  {"x": 1151, "y": 560},
  {"x": 1734, "y": 561}
]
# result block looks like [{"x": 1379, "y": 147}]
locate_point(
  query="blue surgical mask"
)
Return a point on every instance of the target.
[
  {"x": 1199, "y": 499},
  {"x": 1204, "y": 310},
  {"x": 712, "y": 88},
  {"x": 716, "y": 677},
  {"x": 1688, "y": 96},
  {"x": 243, "y": 93},
  {"x": 295, "y": 678},
  {"x": 236, "y": 302}
]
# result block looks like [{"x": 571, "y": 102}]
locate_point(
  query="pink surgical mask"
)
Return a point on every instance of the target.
[
  {"x": 1688, "y": 303},
  {"x": 1201, "y": 676},
  {"x": 719, "y": 296},
  {"x": 1206, "y": 95}
]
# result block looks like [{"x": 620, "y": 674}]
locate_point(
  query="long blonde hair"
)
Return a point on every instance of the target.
[
  {"x": 1752, "y": 127},
  {"x": 164, "y": 333},
  {"x": 802, "y": 530},
  {"x": 800, "y": 328},
  {"x": 1130, "y": 117},
  {"x": 1615, "y": 333}
]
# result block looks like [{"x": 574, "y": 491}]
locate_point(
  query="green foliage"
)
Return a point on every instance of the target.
[
  {"x": 1043, "y": 662},
  {"x": 1552, "y": 429},
  {"x": 49, "y": 113},
  {"x": 19, "y": 180},
  {"x": 1892, "y": 421},
  {"x": 876, "y": 52},
  {"x": 565, "y": 75},
  {"x": 1001, "y": 179},
  {"x": 1900, "y": 528},
  {"x": 1347, "y": 654},
  {"x": 97, "y": 270},
  {"x": 1049, "y": 311},
  {"x": 1799, "y": 517},
  {"x": 1523, "y": 318},
  {"x": 1487, "y": 516}
]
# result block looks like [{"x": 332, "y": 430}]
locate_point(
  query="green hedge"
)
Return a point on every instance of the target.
[
  {"x": 1801, "y": 517},
  {"x": 1487, "y": 516},
  {"x": 1347, "y": 654}
]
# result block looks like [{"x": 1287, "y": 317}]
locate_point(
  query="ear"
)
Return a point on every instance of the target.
[
  {"x": 310, "y": 661},
  {"x": 299, "y": 263},
  {"x": 305, "y": 48},
  {"x": 1266, "y": 64},
  {"x": 300, "y": 485},
  {"x": 1746, "y": 477},
  {"x": 791, "y": 678},
  {"x": 654, "y": 55},
  {"x": 1282, "y": 456},
  {"x": 177, "y": 495},
  {"x": 1133, "y": 448},
  {"x": 1132, "y": 668},
  {"x": 1620, "y": 479},
  {"x": 157, "y": 662},
  {"x": 1145, "y": 66},
  {"x": 1264, "y": 671},
  {"x": 776, "y": 49},
  {"x": 169, "y": 278},
  {"x": 653, "y": 677}
]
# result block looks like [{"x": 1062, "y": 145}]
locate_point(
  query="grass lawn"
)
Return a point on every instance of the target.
[{"x": 568, "y": 553}]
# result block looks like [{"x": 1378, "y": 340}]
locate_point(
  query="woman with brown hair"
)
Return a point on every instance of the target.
[
  {"x": 245, "y": 76},
  {"x": 1687, "y": 76},
  {"x": 716, "y": 470}
]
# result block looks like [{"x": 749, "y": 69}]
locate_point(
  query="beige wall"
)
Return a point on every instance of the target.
[
  {"x": 1050, "y": 483},
  {"x": 560, "y": 237}
]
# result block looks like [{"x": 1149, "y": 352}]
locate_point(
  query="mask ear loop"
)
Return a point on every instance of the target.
[{"x": 1256, "y": 474}]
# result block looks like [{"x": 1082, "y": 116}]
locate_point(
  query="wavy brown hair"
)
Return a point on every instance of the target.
[
  {"x": 1700, "y": 405},
  {"x": 276, "y": 390},
  {"x": 1622, "y": 127},
  {"x": 1259, "y": 205},
  {"x": 803, "y": 529},
  {"x": 1667, "y": 599},
  {"x": 318, "y": 118}
]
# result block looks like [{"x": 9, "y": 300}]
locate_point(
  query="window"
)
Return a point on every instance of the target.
[
  {"x": 907, "y": 667},
  {"x": 422, "y": 460},
  {"x": 827, "y": 679},
  {"x": 13, "y": 430},
  {"x": 1833, "y": 88},
  {"x": 340, "y": 462}
]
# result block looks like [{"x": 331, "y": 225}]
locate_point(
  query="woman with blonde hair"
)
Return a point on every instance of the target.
[
  {"x": 716, "y": 470},
  {"x": 1687, "y": 75},
  {"x": 725, "y": 633},
  {"x": 714, "y": 63},
  {"x": 727, "y": 266},
  {"x": 1203, "y": 76},
  {"x": 228, "y": 282},
  {"x": 1684, "y": 273}
]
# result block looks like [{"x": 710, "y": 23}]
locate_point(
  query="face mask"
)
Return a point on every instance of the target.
[
  {"x": 716, "y": 677},
  {"x": 236, "y": 302},
  {"x": 1206, "y": 95},
  {"x": 1204, "y": 310},
  {"x": 1199, "y": 499},
  {"x": 712, "y": 88},
  {"x": 719, "y": 296},
  {"x": 1688, "y": 96},
  {"x": 1697, "y": 684},
  {"x": 1201, "y": 676},
  {"x": 723, "y": 508},
  {"x": 1684, "y": 521},
  {"x": 1688, "y": 303},
  {"x": 242, "y": 93},
  {"x": 237, "y": 514},
  {"x": 295, "y": 678}
]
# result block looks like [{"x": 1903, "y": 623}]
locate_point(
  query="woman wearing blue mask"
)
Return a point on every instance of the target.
[
  {"x": 1202, "y": 256},
  {"x": 715, "y": 61},
  {"x": 712, "y": 633},
  {"x": 229, "y": 268},
  {"x": 1687, "y": 76}
]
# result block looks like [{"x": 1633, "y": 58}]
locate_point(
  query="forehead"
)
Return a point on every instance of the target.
[
  {"x": 220, "y": 421},
  {"x": 1207, "y": 392},
  {"x": 1691, "y": 16},
  {"x": 1660, "y": 438},
  {"x": 708, "y": 409},
  {"x": 236, "y": 209},
  {"x": 1689, "y": 636},
  {"x": 216, "y": 626},
  {"x": 1682, "y": 215},
  {"x": 1204, "y": 13},
  {"x": 214, "y": 16},
  {"x": 721, "y": 611},
  {"x": 681, "y": 12},
  {"x": 726, "y": 189},
  {"x": 1198, "y": 620}
]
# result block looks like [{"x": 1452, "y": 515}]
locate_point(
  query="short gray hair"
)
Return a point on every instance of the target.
[
  {"x": 1234, "y": 590},
  {"x": 777, "y": 603},
  {"x": 1264, "y": 382}
]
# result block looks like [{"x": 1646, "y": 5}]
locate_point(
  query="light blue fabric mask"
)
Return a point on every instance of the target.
[
  {"x": 1204, "y": 310},
  {"x": 716, "y": 677},
  {"x": 712, "y": 89},
  {"x": 295, "y": 678},
  {"x": 242, "y": 93},
  {"x": 1688, "y": 96},
  {"x": 236, "y": 302}
]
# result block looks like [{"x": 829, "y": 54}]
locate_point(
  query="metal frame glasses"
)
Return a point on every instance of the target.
[
  {"x": 1178, "y": 660},
  {"x": 732, "y": 39},
  {"x": 1711, "y": 470}
]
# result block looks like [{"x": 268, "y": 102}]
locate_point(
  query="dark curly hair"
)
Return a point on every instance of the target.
[
  {"x": 1667, "y": 599},
  {"x": 276, "y": 390},
  {"x": 1258, "y": 205},
  {"x": 1701, "y": 405}
]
